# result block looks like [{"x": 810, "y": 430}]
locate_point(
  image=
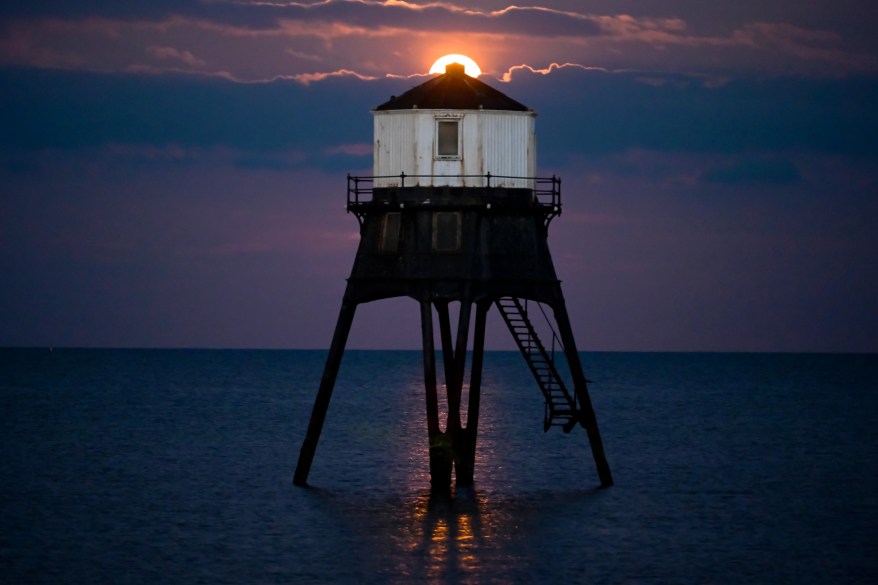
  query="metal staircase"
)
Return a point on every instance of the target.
[{"x": 561, "y": 407}]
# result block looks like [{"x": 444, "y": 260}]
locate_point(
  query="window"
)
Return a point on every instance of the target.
[
  {"x": 390, "y": 230},
  {"x": 448, "y": 138},
  {"x": 446, "y": 231}
]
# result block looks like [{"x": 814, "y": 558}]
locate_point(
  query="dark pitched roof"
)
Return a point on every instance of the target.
[{"x": 453, "y": 90}]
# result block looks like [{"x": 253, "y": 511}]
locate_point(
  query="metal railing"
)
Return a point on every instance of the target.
[{"x": 546, "y": 190}]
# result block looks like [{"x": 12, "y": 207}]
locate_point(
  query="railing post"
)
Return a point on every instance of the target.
[
  {"x": 402, "y": 179},
  {"x": 557, "y": 191},
  {"x": 489, "y": 179}
]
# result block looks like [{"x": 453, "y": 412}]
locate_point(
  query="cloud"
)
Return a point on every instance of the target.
[
  {"x": 307, "y": 78},
  {"x": 255, "y": 162},
  {"x": 361, "y": 149},
  {"x": 302, "y": 55},
  {"x": 582, "y": 111},
  {"x": 805, "y": 44},
  {"x": 508, "y": 74},
  {"x": 170, "y": 53},
  {"x": 74, "y": 110},
  {"x": 597, "y": 112},
  {"x": 441, "y": 16},
  {"x": 253, "y": 41}
]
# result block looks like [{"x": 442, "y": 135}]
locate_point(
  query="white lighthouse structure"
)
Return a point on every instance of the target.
[
  {"x": 452, "y": 131},
  {"x": 455, "y": 213}
]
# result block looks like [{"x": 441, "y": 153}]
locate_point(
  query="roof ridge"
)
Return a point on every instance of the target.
[{"x": 454, "y": 92}]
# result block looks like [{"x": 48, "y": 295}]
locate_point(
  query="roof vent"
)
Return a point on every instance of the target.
[{"x": 456, "y": 69}]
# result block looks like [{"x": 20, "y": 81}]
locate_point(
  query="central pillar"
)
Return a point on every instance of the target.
[
  {"x": 453, "y": 449},
  {"x": 464, "y": 439},
  {"x": 441, "y": 456}
]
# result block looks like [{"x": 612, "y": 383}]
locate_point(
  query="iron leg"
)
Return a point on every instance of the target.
[
  {"x": 587, "y": 416},
  {"x": 441, "y": 456},
  {"x": 324, "y": 394}
]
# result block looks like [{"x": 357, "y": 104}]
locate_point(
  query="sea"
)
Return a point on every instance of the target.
[{"x": 130, "y": 466}]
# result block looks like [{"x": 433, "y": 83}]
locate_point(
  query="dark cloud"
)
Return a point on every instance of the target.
[
  {"x": 432, "y": 17},
  {"x": 580, "y": 112},
  {"x": 595, "y": 112},
  {"x": 87, "y": 8},
  {"x": 260, "y": 41},
  {"x": 553, "y": 18},
  {"x": 754, "y": 170},
  {"x": 49, "y": 109},
  {"x": 372, "y": 15},
  {"x": 148, "y": 10}
]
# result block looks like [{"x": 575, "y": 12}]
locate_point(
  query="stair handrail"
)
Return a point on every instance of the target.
[
  {"x": 533, "y": 342},
  {"x": 556, "y": 338}
]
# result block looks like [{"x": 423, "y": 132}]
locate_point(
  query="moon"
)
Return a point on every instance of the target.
[{"x": 470, "y": 67}]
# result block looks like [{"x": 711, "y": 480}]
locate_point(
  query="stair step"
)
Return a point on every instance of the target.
[{"x": 561, "y": 406}]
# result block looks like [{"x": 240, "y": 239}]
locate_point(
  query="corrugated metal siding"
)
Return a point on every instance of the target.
[
  {"x": 506, "y": 148},
  {"x": 496, "y": 142},
  {"x": 395, "y": 147}
]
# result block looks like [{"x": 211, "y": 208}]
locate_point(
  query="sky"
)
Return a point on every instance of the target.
[{"x": 173, "y": 173}]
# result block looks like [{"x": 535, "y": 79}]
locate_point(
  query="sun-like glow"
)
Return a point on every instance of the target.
[{"x": 470, "y": 67}]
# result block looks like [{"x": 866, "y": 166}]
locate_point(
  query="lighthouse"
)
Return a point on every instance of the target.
[{"x": 455, "y": 213}]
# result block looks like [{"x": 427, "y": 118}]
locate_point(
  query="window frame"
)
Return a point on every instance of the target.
[{"x": 437, "y": 143}]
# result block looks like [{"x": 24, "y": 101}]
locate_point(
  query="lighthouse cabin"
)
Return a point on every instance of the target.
[
  {"x": 454, "y": 203},
  {"x": 454, "y": 131}
]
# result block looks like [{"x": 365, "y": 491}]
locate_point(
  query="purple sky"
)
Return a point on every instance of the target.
[{"x": 172, "y": 173}]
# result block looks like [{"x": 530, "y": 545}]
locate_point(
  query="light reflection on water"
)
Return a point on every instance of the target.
[
  {"x": 448, "y": 534},
  {"x": 412, "y": 535},
  {"x": 470, "y": 537},
  {"x": 691, "y": 441}
]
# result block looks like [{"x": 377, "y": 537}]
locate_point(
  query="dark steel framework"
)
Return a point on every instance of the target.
[{"x": 495, "y": 253}]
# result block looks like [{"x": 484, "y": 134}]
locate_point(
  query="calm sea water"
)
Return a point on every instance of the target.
[{"x": 130, "y": 466}]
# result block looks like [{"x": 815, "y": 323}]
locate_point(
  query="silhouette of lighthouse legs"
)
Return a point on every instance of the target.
[
  {"x": 586, "y": 412},
  {"x": 455, "y": 447},
  {"x": 324, "y": 393}
]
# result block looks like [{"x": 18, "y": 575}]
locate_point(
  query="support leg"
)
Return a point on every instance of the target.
[
  {"x": 465, "y": 439},
  {"x": 324, "y": 393},
  {"x": 587, "y": 416},
  {"x": 445, "y": 339},
  {"x": 454, "y": 360},
  {"x": 454, "y": 381},
  {"x": 441, "y": 456}
]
